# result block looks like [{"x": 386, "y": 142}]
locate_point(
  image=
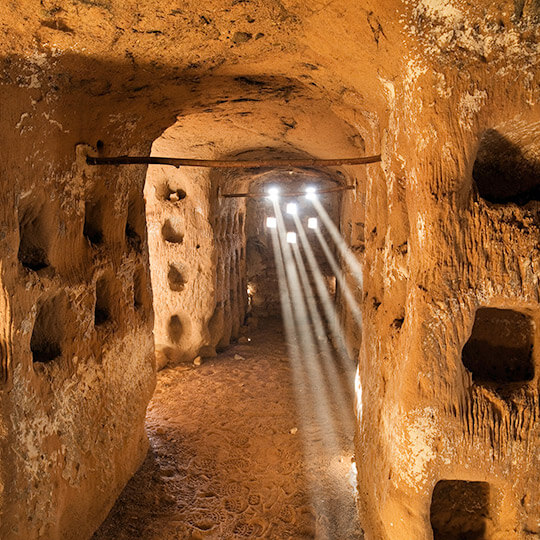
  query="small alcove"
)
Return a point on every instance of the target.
[
  {"x": 170, "y": 193},
  {"x": 172, "y": 231},
  {"x": 135, "y": 221},
  {"x": 141, "y": 295},
  {"x": 460, "y": 510},
  {"x": 35, "y": 230},
  {"x": 48, "y": 331},
  {"x": 107, "y": 298},
  {"x": 176, "y": 277},
  {"x": 93, "y": 221},
  {"x": 507, "y": 165},
  {"x": 175, "y": 329},
  {"x": 500, "y": 348}
]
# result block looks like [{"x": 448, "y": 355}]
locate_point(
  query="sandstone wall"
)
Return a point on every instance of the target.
[
  {"x": 448, "y": 405},
  {"x": 77, "y": 359},
  {"x": 421, "y": 81}
]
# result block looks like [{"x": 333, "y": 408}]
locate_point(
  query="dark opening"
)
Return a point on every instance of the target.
[
  {"x": 171, "y": 194},
  {"x": 140, "y": 289},
  {"x": 135, "y": 222},
  {"x": 102, "y": 312},
  {"x": 93, "y": 222},
  {"x": 175, "y": 329},
  {"x": 176, "y": 278},
  {"x": 4, "y": 360},
  {"x": 48, "y": 332},
  {"x": 34, "y": 237},
  {"x": 172, "y": 232},
  {"x": 505, "y": 172},
  {"x": 500, "y": 347},
  {"x": 460, "y": 510}
]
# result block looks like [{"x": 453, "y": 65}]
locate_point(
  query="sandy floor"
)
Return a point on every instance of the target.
[{"x": 232, "y": 458}]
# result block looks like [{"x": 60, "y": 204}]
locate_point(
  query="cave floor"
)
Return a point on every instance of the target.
[{"x": 230, "y": 456}]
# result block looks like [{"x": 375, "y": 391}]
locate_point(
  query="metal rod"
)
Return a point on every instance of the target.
[
  {"x": 227, "y": 164},
  {"x": 262, "y": 194}
]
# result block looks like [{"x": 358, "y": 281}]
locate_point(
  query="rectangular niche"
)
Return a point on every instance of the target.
[
  {"x": 49, "y": 327},
  {"x": 500, "y": 349},
  {"x": 460, "y": 510},
  {"x": 35, "y": 232}
]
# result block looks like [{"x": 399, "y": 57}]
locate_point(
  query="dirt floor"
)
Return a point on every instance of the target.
[{"x": 231, "y": 457}]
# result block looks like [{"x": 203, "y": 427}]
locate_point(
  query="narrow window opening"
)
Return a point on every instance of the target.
[
  {"x": 48, "y": 332},
  {"x": 500, "y": 349},
  {"x": 460, "y": 510},
  {"x": 34, "y": 234},
  {"x": 172, "y": 232},
  {"x": 93, "y": 222}
]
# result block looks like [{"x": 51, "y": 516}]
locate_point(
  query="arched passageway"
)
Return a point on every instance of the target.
[{"x": 252, "y": 423}]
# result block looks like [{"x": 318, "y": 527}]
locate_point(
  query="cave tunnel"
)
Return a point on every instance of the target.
[{"x": 269, "y": 269}]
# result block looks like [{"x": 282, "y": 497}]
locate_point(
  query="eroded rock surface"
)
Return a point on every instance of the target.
[
  {"x": 228, "y": 455},
  {"x": 446, "y": 226}
]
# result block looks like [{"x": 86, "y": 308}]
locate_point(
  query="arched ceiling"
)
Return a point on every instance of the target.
[{"x": 126, "y": 71}]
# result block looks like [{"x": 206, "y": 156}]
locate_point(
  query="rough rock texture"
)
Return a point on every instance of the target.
[
  {"x": 227, "y": 458},
  {"x": 77, "y": 346},
  {"x": 436, "y": 253},
  {"x": 429, "y": 83}
]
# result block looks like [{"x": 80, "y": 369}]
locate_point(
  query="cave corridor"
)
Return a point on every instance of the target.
[{"x": 269, "y": 269}]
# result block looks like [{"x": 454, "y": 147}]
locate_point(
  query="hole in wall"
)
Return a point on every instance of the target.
[
  {"x": 48, "y": 331},
  {"x": 398, "y": 323},
  {"x": 100, "y": 144},
  {"x": 34, "y": 235},
  {"x": 460, "y": 510},
  {"x": 5, "y": 354},
  {"x": 500, "y": 347},
  {"x": 171, "y": 194},
  {"x": 102, "y": 312},
  {"x": 176, "y": 278},
  {"x": 141, "y": 297},
  {"x": 135, "y": 222},
  {"x": 175, "y": 329},
  {"x": 507, "y": 165},
  {"x": 172, "y": 232},
  {"x": 93, "y": 222}
]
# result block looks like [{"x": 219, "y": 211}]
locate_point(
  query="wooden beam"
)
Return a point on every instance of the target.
[
  {"x": 230, "y": 164},
  {"x": 262, "y": 194}
]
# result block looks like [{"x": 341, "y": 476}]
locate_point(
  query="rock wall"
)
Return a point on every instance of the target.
[
  {"x": 77, "y": 350},
  {"x": 448, "y": 372},
  {"x": 432, "y": 84},
  {"x": 181, "y": 246}
]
